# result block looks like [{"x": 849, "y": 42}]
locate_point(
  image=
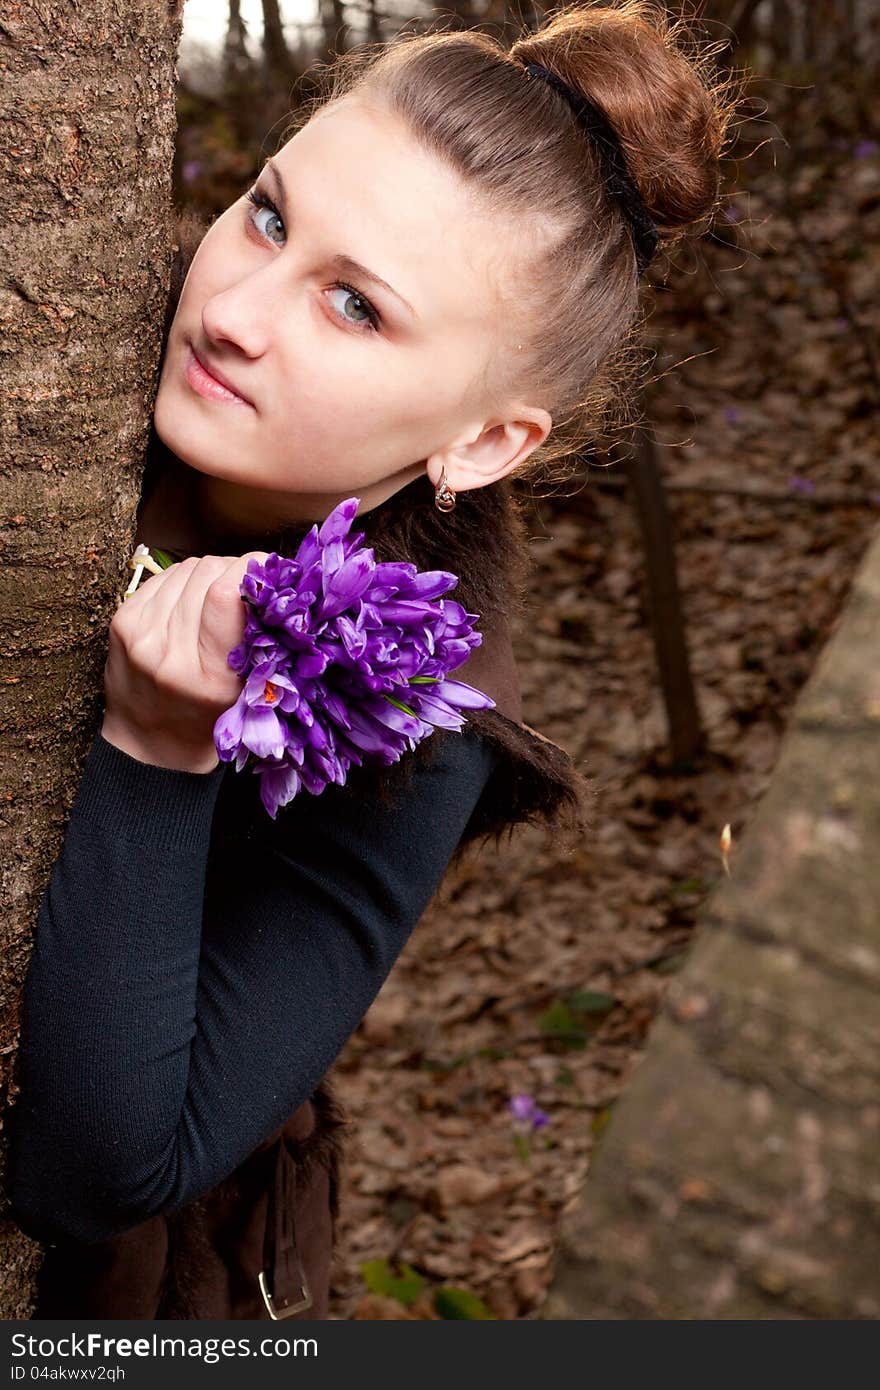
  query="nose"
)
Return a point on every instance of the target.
[{"x": 243, "y": 313}]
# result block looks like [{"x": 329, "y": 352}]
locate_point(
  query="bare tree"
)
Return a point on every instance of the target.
[
  {"x": 331, "y": 14},
  {"x": 235, "y": 54},
  {"x": 275, "y": 52}
]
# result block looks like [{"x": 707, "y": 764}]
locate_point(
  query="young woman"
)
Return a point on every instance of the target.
[{"x": 439, "y": 267}]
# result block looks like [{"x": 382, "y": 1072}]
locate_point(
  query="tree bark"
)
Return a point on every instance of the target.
[{"x": 88, "y": 128}]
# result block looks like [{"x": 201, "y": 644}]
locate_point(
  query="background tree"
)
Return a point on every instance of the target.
[
  {"x": 88, "y": 129},
  {"x": 279, "y": 66}
]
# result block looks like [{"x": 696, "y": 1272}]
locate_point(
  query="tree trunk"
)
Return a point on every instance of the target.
[
  {"x": 275, "y": 55},
  {"x": 331, "y": 15},
  {"x": 236, "y": 60},
  {"x": 88, "y": 128}
]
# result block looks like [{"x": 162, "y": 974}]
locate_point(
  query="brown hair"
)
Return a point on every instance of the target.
[{"x": 574, "y": 302}]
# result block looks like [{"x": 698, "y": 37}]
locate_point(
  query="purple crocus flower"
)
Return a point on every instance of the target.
[
  {"x": 797, "y": 484},
  {"x": 343, "y": 658},
  {"x": 527, "y": 1113}
]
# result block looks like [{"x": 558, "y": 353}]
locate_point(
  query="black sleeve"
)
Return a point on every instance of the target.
[{"x": 173, "y": 1019}]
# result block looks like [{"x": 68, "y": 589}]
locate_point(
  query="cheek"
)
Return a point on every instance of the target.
[
  {"x": 216, "y": 250},
  {"x": 338, "y": 420}
]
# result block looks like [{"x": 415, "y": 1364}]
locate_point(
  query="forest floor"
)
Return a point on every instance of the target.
[{"x": 536, "y": 970}]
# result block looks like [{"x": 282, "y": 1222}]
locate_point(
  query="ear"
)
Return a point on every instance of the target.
[{"x": 490, "y": 451}]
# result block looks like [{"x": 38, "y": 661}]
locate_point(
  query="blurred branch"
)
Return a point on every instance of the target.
[
  {"x": 663, "y": 599},
  {"x": 739, "y": 25}
]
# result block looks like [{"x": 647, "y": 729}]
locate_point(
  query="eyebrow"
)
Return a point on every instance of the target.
[{"x": 346, "y": 264}]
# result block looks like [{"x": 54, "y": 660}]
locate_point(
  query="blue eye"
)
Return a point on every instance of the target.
[
  {"x": 261, "y": 201},
  {"x": 352, "y": 294},
  {"x": 372, "y": 322}
]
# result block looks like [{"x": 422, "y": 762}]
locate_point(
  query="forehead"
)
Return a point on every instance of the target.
[{"x": 359, "y": 181}]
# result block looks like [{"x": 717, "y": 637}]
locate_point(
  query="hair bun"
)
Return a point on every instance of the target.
[{"x": 640, "y": 67}]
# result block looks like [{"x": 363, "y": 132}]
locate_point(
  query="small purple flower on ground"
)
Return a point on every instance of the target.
[{"x": 526, "y": 1113}]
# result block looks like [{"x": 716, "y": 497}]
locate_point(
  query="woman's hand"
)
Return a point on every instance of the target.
[{"x": 166, "y": 680}]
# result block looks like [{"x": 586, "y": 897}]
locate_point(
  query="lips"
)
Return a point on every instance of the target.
[{"x": 214, "y": 373}]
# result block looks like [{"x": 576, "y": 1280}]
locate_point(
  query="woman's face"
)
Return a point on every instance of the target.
[{"x": 351, "y": 387}]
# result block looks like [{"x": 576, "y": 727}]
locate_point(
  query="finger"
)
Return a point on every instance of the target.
[
  {"x": 130, "y": 615},
  {"x": 186, "y": 617},
  {"x": 224, "y": 615},
  {"x": 162, "y": 592}
]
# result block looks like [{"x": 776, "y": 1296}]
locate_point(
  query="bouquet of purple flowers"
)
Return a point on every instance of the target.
[{"x": 343, "y": 658}]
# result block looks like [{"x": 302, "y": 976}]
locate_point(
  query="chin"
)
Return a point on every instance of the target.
[{"x": 181, "y": 435}]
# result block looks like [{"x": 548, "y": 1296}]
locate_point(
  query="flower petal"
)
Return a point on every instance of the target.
[
  {"x": 339, "y": 521},
  {"x": 263, "y": 732},
  {"x": 462, "y": 695},
  {"x": 346, "y": 583}
]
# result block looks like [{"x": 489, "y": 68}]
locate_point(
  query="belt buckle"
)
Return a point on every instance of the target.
[{"x": 299, "y": 1307}]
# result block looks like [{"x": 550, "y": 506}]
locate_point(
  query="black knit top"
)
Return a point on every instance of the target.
[{"x": 198, "y": 967}]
